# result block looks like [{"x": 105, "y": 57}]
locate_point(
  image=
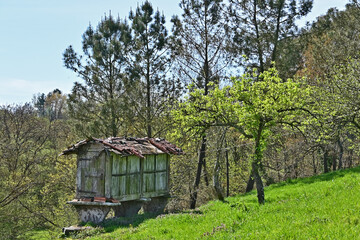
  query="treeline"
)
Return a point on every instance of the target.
[{"x": 250, "y": 96}]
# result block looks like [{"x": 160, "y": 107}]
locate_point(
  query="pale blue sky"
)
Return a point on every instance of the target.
[{"x": 35, "y": 33}]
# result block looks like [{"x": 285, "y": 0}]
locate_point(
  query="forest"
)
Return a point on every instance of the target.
[{"x": 251, "y": 97}]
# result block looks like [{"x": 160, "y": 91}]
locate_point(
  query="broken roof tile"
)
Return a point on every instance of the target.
[{"x": 129, "y": 146}]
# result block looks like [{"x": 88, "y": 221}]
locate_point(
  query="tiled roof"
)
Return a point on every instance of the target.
[{"x": 129, "y": 146}]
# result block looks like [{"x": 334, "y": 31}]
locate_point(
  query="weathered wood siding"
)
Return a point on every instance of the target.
[
  {"x": 133, "y": 178},
  {"x": 155, "y": 175},
  {"x": 125, "y": 181},
  {"x": 102, "y": 173},
  {"x": 91, "y": 171}
]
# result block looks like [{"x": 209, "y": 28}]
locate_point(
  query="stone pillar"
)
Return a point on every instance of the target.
[
  {"x": 128, "y": 209},
  {"x": 156, "y": 205}
]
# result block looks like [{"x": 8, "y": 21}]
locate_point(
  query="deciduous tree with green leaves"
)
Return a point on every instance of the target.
[
  {"x": 331, "y": 40},
  {"x": 251, "y": 107},
  {"x": 338, "y": 103},
  {"x": 330, "y": 63},
  {"x": 34, "y": 183},
  {"x": 265, "y": 31}
]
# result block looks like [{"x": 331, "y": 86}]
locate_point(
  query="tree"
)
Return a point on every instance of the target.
[
  {"x": 28, "y": 163},
  {"x": 97, "y": 104},
  {"x": 200, "y": 42},
  {"x": 330, "y": 63},
  {"x": 39, "y": 103},
  {"x": 149, "y": 64},
  {"x": 51, "y": 105},
  {"x": 19, "y": 156},
  {"x": 55, "y": 104},
  {"x": 340, "y": 107},
  {"x": 262, "y": 28},
  {"x": 251, "y": 107},
  {"x": 265, "y": 32},
  {"x": 332, "y": 39}
]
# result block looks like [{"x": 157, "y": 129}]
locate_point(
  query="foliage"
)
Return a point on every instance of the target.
[
  {"x": 132, "y": 71},
  {"x": 338, "y": 102},
  {"x": 251, "y": 107},
  {"x": 329, "y": 64},
  {"x": 199, "y": 45},
  {"x": 31, "y": 179},
  {"x": 332, "y": 39},
  {"x": 345, "y": 85},
  {"x": 262, "y": 30},
  {"x": 152, "y": 92},
  {"x": 52, "y": 105},
  {"x": 200, "y": 42},
  {"x": 96, "y": 104},
  {"x": 244, "y": 103}
]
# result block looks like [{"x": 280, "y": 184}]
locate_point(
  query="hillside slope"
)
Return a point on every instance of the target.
[{"x": 321, "y": 207}]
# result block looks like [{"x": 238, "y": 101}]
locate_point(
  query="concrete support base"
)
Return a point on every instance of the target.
[
  {"x": 92, "y": 211},
  {"x": 95, "y": 214},
  {"x": 128, "y": 209},
  {"x": 156, "y": 205}
]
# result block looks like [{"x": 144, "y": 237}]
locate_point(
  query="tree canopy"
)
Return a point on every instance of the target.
[{"x": 252, "y": 107}]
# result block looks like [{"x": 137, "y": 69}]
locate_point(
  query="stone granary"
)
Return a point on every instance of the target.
[{"x": 121, "y": 173}]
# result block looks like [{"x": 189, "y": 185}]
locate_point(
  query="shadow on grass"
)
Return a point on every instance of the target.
[
  {"x": 319, "y": 178},
  {"x": 112, "y": 224},
  {"x": 115, "y": 223},
  {"x": 300, "y": 181}
]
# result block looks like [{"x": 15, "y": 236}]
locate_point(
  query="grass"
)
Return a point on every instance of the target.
[{"x": 320, "y": 207}]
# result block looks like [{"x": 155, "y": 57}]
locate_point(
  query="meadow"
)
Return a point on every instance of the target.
[{"x": 319, "y": 207}]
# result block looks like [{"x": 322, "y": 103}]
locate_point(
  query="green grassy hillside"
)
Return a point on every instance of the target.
[{"x": 320, "y": 207}]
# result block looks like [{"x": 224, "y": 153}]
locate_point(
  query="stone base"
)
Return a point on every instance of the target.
[
  {"x": 128, "y": 209},
  {"x": 156, "y": 205},
  {"x": 94, "y": 214}
]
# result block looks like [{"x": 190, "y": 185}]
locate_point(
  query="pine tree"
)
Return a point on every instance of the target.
[
  {"x": 200, "y": 44},
  {"x": 149, "y": 64},
  {"x": 262, "y": 29},
  {"x": 97, "y": 103}
]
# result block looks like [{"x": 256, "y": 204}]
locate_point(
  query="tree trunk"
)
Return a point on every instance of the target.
[
  {"x": 256, "y": 164},
  {"x": 148, "y": 99},
  {"x": 258, "y": 41},
  {"x": 193, "y": 195},
  {"x": 341, "y": 152},
  {"x": 250, "y": 182},
  {"x": 206, "y": 175},
  {"x": 277, "y": 30},
  {"x": 216, "y": 178},
  {"x": 259, "y": 184},
  {"x": 325, "y": 158},
  {"x": 314, "y": 164},
  {"x": 333, "y": 157},
  {"x": 350, "y": 157},
  {"x": 227, "y": 170}
]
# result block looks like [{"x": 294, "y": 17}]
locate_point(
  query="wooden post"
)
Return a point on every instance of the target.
[{"x": 108, "y": 172}]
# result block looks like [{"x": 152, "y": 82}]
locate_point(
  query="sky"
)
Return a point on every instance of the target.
[{"x": 35, "y": 33}]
